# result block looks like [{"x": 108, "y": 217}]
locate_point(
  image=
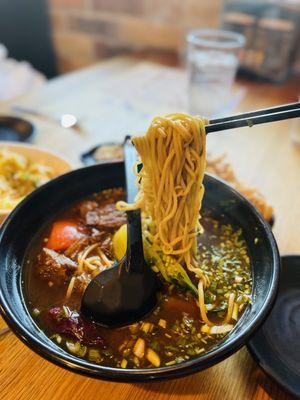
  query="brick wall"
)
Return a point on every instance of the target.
[{"x": 85, "y": 31}]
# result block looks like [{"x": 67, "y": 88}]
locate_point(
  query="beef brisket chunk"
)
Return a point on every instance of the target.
[
  {"x": 103, "y": 217},
  {"x": 54, "y": 267}
]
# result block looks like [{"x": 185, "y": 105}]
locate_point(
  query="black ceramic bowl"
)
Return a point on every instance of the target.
[
  {"x": 41, "y": 205},
  {"x": 16, "y": 129}
]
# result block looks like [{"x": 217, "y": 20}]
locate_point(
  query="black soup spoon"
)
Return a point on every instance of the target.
[{"x": 127, "y": 291}]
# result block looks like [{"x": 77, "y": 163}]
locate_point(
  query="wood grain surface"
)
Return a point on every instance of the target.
[{"x": 119, "y": 97}]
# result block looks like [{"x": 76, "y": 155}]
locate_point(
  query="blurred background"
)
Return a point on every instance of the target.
[
  {"x": 210, "y": 41},
  {"x": 58, "y": 36}
]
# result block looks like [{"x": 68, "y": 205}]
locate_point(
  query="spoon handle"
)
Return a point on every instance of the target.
[
  {"x": 130, "y": 157},
  {"x": 135, "y": 252}
]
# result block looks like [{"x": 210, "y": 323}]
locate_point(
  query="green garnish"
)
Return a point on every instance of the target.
[{"x": 36, "y": 312}]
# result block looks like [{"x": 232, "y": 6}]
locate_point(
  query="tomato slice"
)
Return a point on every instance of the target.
[{"x": 63, "y": 234}]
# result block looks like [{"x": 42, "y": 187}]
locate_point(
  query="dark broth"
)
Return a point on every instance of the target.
[{"x": 174, "y": 331}]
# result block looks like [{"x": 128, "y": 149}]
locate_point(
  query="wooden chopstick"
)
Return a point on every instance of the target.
[{"x": 273, "y": 114}]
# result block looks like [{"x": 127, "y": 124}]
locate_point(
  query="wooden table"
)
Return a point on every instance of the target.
[{"x": 119, "y": 97}]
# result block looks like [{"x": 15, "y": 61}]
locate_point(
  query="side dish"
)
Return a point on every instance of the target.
[
  {"x": 18, "y": 177},
  {"x": 220, "y": 167}
]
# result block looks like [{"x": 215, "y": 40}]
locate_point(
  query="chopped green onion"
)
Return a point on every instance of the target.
[
  {"x": 36, "y": 312},
  {"x": 57, "y": 338}
]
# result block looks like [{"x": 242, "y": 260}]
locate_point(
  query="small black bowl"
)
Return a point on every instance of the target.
[
  {"x": 40, "y": 206},
  {"x": 16, "y": 129},
  {"x": 89, "y": 157},
  {"x": 276, "y": 346}
]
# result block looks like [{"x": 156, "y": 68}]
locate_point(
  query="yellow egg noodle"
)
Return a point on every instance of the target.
[{"x": 173, "y": 154}]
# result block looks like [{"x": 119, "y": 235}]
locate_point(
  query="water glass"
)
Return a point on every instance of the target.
[{"x": 212, "y": 59}]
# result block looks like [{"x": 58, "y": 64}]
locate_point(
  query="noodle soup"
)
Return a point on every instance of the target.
[{"x": 81, "y": 242}]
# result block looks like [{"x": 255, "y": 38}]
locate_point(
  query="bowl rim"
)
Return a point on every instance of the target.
[
  {"x": 40, "y": 149},
  {"x": 217, "y": 354}
]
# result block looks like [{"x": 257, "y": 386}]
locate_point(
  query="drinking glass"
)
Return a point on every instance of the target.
[{"x": 212, "y": 59}]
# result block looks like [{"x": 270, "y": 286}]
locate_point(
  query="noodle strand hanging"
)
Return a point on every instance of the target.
[
  {"x": 173, "y": 156},
  {"x": 171, "y": 188}
]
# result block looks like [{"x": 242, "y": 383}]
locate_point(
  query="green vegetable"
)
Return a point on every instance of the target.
[
  {"x": 170, "y": 269},
  {"x": 82, "y": 351},
  {"x": 73, "y": 347},
  {"x": 57, "y": 338},
  {"x": 94, "y": 355},
  {"x": 155, "y": 345},
  {"x": 179, "y": 360},
  {"x": 76, "y": 348},
  {"x": 171, "y": 362},
  {"x": 36, "y": 312}
]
